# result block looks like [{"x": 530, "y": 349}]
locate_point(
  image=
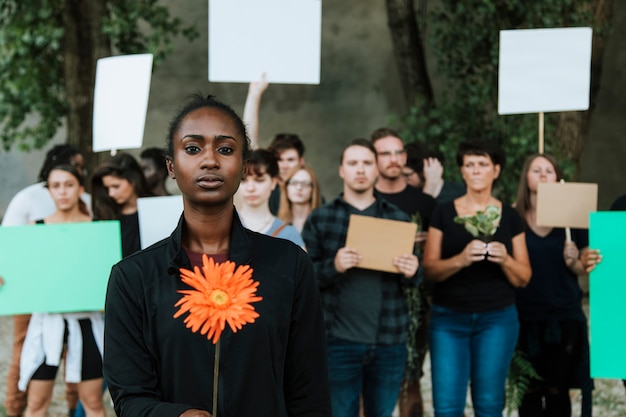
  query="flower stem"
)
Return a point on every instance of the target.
[{"x": 216, "y": 371}]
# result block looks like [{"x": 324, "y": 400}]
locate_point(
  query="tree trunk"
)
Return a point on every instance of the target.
[
  {"x": 409, "y": 51},
  {"x": 84, "y": 43},
  {"x": 573, "y": 127}
]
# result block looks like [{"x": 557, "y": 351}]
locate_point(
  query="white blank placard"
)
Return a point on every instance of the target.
[
  {"x": 544, "y": 70},
  {"x": 279, "y": 37},
  {"x": 121, "y": 101},
  {"x": 158, "y": 217}
]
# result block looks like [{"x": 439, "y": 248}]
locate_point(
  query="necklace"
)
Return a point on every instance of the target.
[{"x": 263, "y": 226}]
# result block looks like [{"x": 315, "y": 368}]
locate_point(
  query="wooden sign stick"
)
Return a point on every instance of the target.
[
  {"x": 568, "y": 230},
  {"x": 541, "y": 133}
]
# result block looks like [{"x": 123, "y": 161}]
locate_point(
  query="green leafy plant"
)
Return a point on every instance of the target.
[
  {"x": 521, "y": 374},
  {"x": 482, "y": 224}
]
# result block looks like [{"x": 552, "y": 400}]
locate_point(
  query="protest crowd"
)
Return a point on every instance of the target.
[{"x": 481, "y": 282}]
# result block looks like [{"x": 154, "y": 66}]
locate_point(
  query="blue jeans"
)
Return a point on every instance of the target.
[
  {"x": 375, "y": 371},
  {"x": 476, "y": 347}
]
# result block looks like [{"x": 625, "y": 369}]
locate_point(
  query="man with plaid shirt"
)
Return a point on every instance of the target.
[{"x": 364, "y": 310}]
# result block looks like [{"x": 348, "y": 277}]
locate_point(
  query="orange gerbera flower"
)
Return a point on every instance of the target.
[{"x": 221, "y": 295}]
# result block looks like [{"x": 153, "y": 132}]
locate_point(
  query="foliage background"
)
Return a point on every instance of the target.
[{"x": 463, "y": 36}]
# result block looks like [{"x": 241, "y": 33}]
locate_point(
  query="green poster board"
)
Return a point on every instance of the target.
[
  {"x": 607, "y": 295},
  {"x": 57, "y": 267}
]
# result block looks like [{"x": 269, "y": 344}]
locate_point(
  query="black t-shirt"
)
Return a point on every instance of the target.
[
  {"x": 129, "y": 223},
  {"x": 411, "y": 201},
  {"x": 553, "y": 291},
  {"x": 482, "y": 286},
  {"x": 619, "y": 204}
]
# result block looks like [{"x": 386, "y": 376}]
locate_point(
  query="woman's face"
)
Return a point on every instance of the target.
[
  {"x": 479, "y": 172},
  {"x": 300, "y": 188},
  {"x": 256, "y": 189},
  {"x": 540, "y": 170},
  {"x": 65, "y": 189},
  {"x": 119, "y": 190},
  {"x": 207, "y": 157}
]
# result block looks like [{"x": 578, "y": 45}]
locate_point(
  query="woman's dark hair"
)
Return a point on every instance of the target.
[
  {"x": 123, "y": 166},
  {"x": 71, "y": 169},
  {"x": 481, "y": 147},
  {"x": 198, "y": 101},
  {"x": 262, "y": 161},
  {"x": 58, "y": 155},
  {"x": 522, "y": 201}
]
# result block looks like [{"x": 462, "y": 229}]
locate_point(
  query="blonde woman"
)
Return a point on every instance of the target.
[{"x": 300, "y": 194}]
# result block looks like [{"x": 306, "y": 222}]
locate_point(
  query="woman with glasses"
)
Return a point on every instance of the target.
[
  {"x": 299, "y": 195},
  {"x": 254, "y": 195}
]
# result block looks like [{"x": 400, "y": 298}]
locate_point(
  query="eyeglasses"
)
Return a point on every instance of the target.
[
  {"x": 388, "y": 154},
  {"x": 303, "y": 184}
]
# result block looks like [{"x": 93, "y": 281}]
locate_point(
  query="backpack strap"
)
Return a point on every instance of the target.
[{"x": 278, "y": 230}]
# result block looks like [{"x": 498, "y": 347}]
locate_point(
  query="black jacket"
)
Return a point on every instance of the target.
[{"x": 276, "y": 366}]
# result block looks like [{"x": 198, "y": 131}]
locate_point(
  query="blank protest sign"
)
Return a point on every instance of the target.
[
  {"x": 279, "y": 37},
  {"x": 57, "y": 267},
  {"x": 121, "y": 101},
  {"x": 607, "y": 287},
  {"x": 544, "y": 70},
  {"x": 158, "y": 217}
]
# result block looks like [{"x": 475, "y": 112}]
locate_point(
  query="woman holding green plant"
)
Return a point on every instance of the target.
[
  {"x": 476, "y": 255},
  {"x": 553, "y": 326}
]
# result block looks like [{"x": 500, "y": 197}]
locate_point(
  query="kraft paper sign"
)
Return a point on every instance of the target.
[
  {"x": 57, "y": 267},
  {"x": 544, "y": 70},
  {"x": 121, "y": 101},
  {"x": 607, "y": 286},
  {"x": 566, "y": 204},
  {"x": 158, "y": 217},
  {"x": 380, "y": 240},
  {"x": 279, "y": 37}
]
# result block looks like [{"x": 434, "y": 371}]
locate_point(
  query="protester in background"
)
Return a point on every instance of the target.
[
  {"x": 32, "y": 203},
  {"x": 474, "y": 324},
  {"x": 152, "y": 161},
  {"x": 255, "y": 190},
  {"x": 44, "y": 342},
  {"x": 391, "y": 186},
  {"x": 553, "y": 326},
  {"x": 288, "y": 148},
  {"x": 153, "y": 363},
  {"x": 365, "y": 310},
  {"x": 424, "y": 170},
  {"x": 299, "y": 195},
  {"x": 116, "y": 186}
]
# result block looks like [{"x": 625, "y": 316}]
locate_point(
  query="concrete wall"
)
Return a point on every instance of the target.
[{"x": 359, "y": 89}]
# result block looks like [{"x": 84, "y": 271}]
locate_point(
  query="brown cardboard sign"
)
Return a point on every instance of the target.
[
  {"x": 380, "y": 240},
  {"x": 566, "y": 204}
]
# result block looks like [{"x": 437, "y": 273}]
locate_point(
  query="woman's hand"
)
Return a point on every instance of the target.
[
  {"x": 496, "y": 252},
  {"x": 1, "y": 281},
  {"x": 407, "y": 264},
  {"x": 346, "y": 258},
  {"x": 570, "y": 253},
  {"x": 590, "y": 258},
  {"x": 196, "y": 413},
  {"x": 475, "y": 251}
]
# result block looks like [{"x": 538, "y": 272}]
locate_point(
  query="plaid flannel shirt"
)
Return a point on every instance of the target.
[{"x": 324, "y": 234}]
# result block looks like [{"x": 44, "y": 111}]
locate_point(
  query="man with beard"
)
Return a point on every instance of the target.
[{"x": 392, "y": 187}]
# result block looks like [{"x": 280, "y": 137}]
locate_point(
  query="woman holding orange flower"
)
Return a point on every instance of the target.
[{"x": 214, "y": 290}]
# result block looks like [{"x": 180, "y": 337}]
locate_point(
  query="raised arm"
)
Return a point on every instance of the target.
[{"x": 251, "y": 109}]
